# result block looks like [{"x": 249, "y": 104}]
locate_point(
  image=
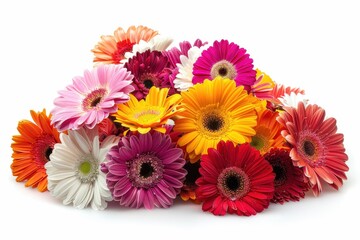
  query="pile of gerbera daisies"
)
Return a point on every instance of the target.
[{"x": 150, "y": 123}]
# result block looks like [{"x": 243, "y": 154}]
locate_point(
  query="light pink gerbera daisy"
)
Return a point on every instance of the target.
[
  {"x": 315, "y": 145},
  {"x": 227, "y": 60},
  {"x": 145, "y": 170},
  {"x": 91, "y": 98}
]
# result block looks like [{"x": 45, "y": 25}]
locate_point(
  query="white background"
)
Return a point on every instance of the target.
[{"x": 310, "y": 44}]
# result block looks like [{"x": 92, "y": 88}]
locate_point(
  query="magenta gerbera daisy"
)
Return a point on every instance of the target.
[
  {"x": 92, "y": 97},
  {"x": 150, "y": 68},
  {"x": 234, "y": 179},
  {"x": 315, "y": 145},
  {"x": 289, "y": 180},
  {"x": 227, "y": 60},
  {"x": 145, "y": 170}
]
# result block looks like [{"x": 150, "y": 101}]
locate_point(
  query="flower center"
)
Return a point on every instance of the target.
[
  {"x": 145, "y": 171},
  {"x": 224, "y": 69},
  {"x": 93, "y": 99},
  {"x": 213, "y": 122},
  {"x": 87, "y": 169},
  {"x": 148, "y": 114},
  {"x": 309, "y": 148},
  {"x": 48, "y": 153},
  {"x": 149, "y": 80},
  {"x": 192, "y": 173},
  {"x": 233, "y": 183},
  {"x": 42, "y": 148},
  {"x": 122, "y": 47},
  {"x": 148, "y": 83},
  {"x": 257, "y": 142},
  {"x": 280, "y": 175}
]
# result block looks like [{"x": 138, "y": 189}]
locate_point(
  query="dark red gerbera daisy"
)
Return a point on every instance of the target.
[
  {"x": 289, "y": 180},
  {"x": 234, "y": 179},
  {"x": 150, "y": 68}
]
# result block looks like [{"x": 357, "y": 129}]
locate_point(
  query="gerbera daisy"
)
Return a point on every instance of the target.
[
  {"x": 226, "y": 60},
  {"x": 32, "y": 148},
  {"x": 268, "y": 132},
  {"x": 149, "y": 69},
  {"x": 157, "y": 43},
  {"x": 185, "y": 68},
  {"x": 111, "y": 49},
  {"x": 91, "y": 98},
  {"x": 262, "y": 87},
  {"x": 234, "y": 179},
  {"x": 183, "y": 50},
  {"x": 280, "y": 90},
  {"x": 214, "y": 111},
  {"x": 289, "y": 180},
  {"x": 315, "y": 145},
  {"x": 188, "y": 190},
  {"x": 145, "y": 170},
  {"x": 151, "y": 113},
  {"x": 74, "y": 170},
  {"x": 292, "y": 100}
]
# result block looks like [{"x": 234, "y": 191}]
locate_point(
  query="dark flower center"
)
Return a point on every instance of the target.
[
  {"x": 95, "y": 102},
  {"x": 233, "y": 182},
  {"x": 280, "y": 175},
  {"x": 146, "y": 170},
  {"x": 223, "y": 71},
  {"x": 309, "y": 148},
  {"x": 213, "y": 122},
  {"x": 192, "y": 173},
  {"x": 148, "y": 83},
  {"x": 48, "y": 152}
]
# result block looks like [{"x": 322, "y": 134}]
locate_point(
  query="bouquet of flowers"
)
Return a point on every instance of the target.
[{"x": 150, "y": 123}]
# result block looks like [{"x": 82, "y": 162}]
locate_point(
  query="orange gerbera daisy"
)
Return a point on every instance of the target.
[
  {"x": 111, "y": 49},
  {"x": 32, "y": 148},
  {"x": 268, "y": 132}
]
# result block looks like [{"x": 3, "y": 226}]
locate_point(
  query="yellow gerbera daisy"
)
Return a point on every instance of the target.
[
  {"x": 215, "y": 110},
  {"x": 268, "y": 132},
  {"x": 151, "y": 113}
]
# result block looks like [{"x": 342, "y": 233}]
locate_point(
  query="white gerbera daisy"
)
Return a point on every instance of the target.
[
  {"x": 74, "y": 174},
  {"x": 157, "y": 43},
  {"x": 293, "y": 99},
  {"x": 184, "y": 78}
]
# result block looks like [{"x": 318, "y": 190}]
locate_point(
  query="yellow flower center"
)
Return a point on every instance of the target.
[{"x": 148, "y": 115}]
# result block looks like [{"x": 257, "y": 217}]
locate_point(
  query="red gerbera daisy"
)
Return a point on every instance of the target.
[
  {"x": 234, "y": 179},
  {"x": 316, "y": 147},
  {"x": 289, "y": 180}
]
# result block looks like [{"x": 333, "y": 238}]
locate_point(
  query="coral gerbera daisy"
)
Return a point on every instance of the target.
[
  {"x": 214, "y": 111},
  {"x": 151, "y": 113},
  {"x": 32, "y": 149},
  {"x": 226, "y": 60},
  {"x": 112, "y": 49},
  {"x": 315, "y": 145},
  {"x": 234, "y": 179},
  {"x": 74, "y": 170},
  {"x": 268, "y": 132},
  {"x": 145, "y": 170},
  {"x": 91, "y": 98},
  {"x": 289, "y": 179},
  {"x": 149, "y": 69}
]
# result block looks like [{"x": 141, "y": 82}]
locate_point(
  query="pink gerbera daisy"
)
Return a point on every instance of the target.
[
  {"x": 315, "y": 145},
  {"x": 145, "y": 170},
  {"x": 91, "y": 98},
  {"x": 234, "y": 179},
  {"x": 227, "y": 60},
  {"x": 150, "y": 68}
]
